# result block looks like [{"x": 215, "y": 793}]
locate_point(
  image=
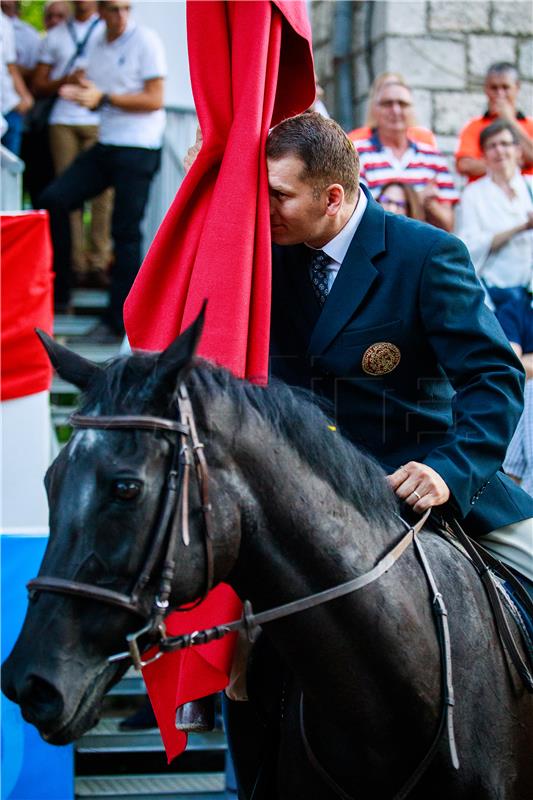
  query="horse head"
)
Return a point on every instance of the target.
[{"x": 109, "y": 499}]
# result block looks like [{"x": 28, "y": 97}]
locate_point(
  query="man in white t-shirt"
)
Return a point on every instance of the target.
[
  {"x": 27, "y": 40},
  {"x": 63, "y": 59},
  {"x": 126, "y": 70},
  {"x": 15, "y": 97}
]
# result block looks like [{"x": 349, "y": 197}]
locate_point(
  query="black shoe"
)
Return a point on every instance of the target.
[
  {"x": 142, "y": 719},
  {"x": 103, "y": 334}
]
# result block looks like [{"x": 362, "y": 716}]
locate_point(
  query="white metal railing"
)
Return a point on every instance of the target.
[{"x": 180, "y": 134}]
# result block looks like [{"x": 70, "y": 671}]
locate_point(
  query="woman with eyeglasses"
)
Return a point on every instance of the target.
[{"x": 399, "y": 198}]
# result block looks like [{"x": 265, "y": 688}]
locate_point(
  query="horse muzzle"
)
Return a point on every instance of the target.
[{"x": 41, "y": 703}]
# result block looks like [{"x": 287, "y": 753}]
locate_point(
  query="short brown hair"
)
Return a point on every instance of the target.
[
  {"x": 493, "y": 129},
  {"x": 327, "y": 153},
  {"x": 414, "y": 208}
]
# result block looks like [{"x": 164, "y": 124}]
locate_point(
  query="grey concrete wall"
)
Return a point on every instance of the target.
[{"x": 441, "y": 48}]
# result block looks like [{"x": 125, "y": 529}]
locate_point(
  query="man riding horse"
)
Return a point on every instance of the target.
[{"x": 383, "y": 316}]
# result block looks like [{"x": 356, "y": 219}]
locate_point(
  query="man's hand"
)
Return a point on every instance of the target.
[
  {"x": 26, "y": 102},
  {"x": 503, "y": 109},
  {"x": 193, "y": 150},
  {"x": 76, "y": 78},
  {"x": 419, "y": 485},
  {"x": 429, "y": 193},
  {"x": 84, "y": 93}
]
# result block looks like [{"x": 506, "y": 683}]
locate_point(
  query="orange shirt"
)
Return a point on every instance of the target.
[
  {"x": 469, "y": 139},
  {"x": 421, "y": 135}
]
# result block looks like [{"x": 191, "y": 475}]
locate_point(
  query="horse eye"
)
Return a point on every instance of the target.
[{"x": 126, "y": 489}]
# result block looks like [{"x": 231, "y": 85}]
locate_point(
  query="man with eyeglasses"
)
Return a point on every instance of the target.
[
  {"x": 388, "y": 155},
  {"x": 125, "y": 82}
]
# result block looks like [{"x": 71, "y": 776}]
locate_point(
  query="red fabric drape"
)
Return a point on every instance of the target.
[
  {"x": 27, "y": 280},
  {"x": 251, "y": 66}
]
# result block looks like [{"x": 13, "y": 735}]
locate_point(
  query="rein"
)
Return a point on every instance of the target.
[{"x": 176, "y": 502}]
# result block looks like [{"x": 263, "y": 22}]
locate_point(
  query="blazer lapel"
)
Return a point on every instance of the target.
[
  {"x": 302, "y": 288},
  {"x": 355, "y": 277}
]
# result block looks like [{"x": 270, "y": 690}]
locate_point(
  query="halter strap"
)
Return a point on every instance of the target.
[
  {"x": 142, "y": 422},
  {"x": 165, "y": 538}
]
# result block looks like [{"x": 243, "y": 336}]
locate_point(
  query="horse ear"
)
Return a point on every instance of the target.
[
  {"x": 180, "y": 352},
  {"x": 70, "y": 366}
]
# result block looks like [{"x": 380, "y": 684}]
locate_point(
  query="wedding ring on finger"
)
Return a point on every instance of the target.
[{"x": 416, "y": 495}]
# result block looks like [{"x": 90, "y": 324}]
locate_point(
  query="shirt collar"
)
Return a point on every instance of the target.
[
  {"x": 488, "y": 115},
  {"x": 378, "y": 144},
  {"x": 337, "y": 247}
]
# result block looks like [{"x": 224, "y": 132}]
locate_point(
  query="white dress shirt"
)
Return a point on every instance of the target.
[{"x": 337, "y": 247}]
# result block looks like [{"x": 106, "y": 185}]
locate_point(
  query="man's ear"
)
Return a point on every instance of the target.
[
  {"x": 335, "y": 199},
  {"x": 70, "y": 366}
]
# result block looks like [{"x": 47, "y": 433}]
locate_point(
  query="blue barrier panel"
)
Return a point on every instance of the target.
[{"x": 31, "y": 769}]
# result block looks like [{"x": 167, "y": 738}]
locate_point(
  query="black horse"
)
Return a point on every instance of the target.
[{"x": 294, "y": 509}]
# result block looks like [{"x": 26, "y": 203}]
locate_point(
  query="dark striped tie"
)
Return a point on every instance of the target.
[{"x": 319, "y": 275}]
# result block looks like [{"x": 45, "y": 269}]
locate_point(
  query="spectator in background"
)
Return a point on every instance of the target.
[
  {"x": 390, "y": 155},
  {"x": 72, "y": 129},
  {"x": 125, "y": 82},
  {"x": 319, "y": 105},
  {"x": 55, "y": 12},
  {"x": 399, "y": 198},
  {"x": 27, "y": 40},
  {"x": 501, "y": 87},
  {"x": 15, "y": 97},
  {"x": 414, "y": 132},
  {"x": 495, "y": 217}
]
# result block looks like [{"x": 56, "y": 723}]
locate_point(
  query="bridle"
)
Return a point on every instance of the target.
[
  {"x": 175, "y": 501},
  {"x": 165, "y": 538}
]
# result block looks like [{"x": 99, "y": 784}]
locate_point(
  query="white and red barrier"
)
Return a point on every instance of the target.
[{"x": 31, "y": 769}]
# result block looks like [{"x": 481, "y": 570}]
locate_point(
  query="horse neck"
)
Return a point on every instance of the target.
[{"x": 299, "y": 537}]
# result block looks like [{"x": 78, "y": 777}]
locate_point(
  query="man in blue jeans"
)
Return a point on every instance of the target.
[{"x": 125, "y": 81}]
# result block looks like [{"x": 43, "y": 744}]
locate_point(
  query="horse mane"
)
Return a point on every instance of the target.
[
  {"x": 296, "y": 416},
  {"x": 126, "y": 386}
]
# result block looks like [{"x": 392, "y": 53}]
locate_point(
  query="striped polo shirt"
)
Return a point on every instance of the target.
[{"x": 420, "y": 164}]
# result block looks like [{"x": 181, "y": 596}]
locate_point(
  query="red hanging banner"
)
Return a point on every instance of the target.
[{"x": 27, "y": 303}]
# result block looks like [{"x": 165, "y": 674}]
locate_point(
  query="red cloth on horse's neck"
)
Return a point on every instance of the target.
[{"x": 251, "y": 66}]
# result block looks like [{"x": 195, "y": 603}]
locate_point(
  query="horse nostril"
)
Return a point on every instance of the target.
[
  {"x": 40, "y": 701},
  {"x": 8, "y": 684}
]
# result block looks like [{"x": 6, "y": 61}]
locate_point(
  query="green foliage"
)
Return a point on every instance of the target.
[{"x": 32, "y": 12}]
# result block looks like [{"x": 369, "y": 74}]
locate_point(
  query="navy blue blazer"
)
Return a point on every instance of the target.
[{"x": 415, "y": 364}]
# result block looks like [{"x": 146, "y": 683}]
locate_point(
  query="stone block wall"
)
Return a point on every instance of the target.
[{"x": 441, "y": 48}]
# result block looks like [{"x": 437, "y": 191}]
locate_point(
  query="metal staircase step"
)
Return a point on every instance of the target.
[
  {"x": 107, "y": 737},
  {"x": 70, "y": 325},
  {"x": 61, "y": 387},
  {"x": 90, "y": 298},
  {"x": 152, "y": 787},
  {"x": 131, "y": 684}
]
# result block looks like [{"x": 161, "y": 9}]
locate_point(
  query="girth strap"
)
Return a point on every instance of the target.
[{"x": 482, "y": 561}]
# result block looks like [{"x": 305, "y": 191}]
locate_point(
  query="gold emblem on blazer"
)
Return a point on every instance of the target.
[{"x": 380, "y": 358}]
